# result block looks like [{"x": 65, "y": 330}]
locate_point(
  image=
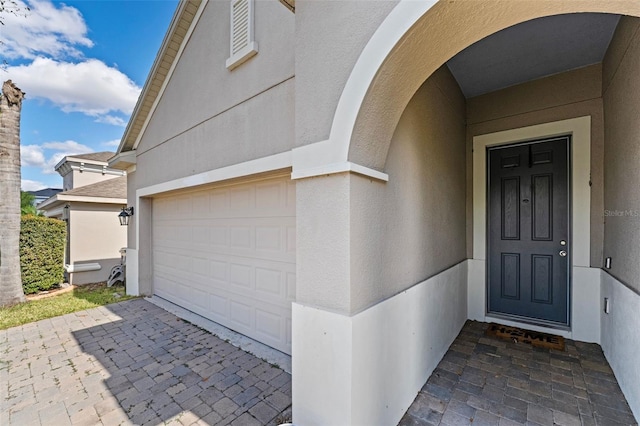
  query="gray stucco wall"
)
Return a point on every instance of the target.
[
  {"x": 370, "y": 240},
  {"x": 330, "y": 36},
  {"x": 621, "y": 94},
  {"x": 210, "y": 117},
  {"x": 413, "y": 227},
  {"x": 567, "y": 95}
]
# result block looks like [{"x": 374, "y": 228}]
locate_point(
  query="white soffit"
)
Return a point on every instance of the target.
[{"x": 532, "y": 50}]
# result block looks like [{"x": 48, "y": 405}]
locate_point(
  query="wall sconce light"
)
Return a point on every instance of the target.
[
  {"x": 65, "y": 212},
  {"x": 124, "y": 215}
]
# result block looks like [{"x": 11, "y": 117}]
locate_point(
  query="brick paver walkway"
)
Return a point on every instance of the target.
[
  {"x": 486, "y": 381},
  {"x": 133, "y": 363}
]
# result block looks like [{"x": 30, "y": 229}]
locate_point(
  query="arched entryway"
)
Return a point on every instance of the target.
[
  {"x": 414, "y": 41},
  {"x": 393, "y": 326}
]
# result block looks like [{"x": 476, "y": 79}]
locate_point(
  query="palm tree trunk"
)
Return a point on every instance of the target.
[{"x": 10, "y": 277}]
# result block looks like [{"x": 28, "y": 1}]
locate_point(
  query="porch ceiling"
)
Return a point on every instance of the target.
[{"x": 532, "y": 50}]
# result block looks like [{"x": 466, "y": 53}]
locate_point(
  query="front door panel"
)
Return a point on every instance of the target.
[{"x": 528, "y": 227}]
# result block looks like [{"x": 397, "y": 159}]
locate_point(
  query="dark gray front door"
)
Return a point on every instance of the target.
[{"x": 528, "y": 227}]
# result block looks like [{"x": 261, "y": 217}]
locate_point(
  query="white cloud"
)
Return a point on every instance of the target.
[
  {"x": 70, "y": 147},
  {"x": 49, "y": 154},
  {"x": 62, "y": 149},
  {"x": 112, "y": 119},
  {"x": 31, "y": 185},
  {"x": 42, "y": 28},
  {"x": 114, "y": 143},
  {"x": 32, "y": 155},
  {"x": 90, "y": 87},
  {"x": 48, "y": 41},
  {"x": 49, "y": 168}
]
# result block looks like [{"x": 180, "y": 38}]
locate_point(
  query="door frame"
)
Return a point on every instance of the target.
[
  {"x": 580, "y": 207},
  {"x": 530, "y": 320}
]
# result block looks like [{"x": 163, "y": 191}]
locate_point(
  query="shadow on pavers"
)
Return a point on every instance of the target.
[{"x": 161, "y": 368}]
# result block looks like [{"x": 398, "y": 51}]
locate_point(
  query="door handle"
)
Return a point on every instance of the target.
[{"x": 563, "y": 253}]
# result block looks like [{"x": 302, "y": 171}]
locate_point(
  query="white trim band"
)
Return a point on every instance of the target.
[
  {"x": 344, "y": 167},
  {"x": 252, "y": 167}
]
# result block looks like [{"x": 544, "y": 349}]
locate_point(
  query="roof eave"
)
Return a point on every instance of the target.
[
  {"x": 289, "y": 4},
  {"x": 123, "y": 160},
  {"x": 48, "y": 203},
  {"x": 89, "y": 199},
  {"x": 179, "y": 17}
]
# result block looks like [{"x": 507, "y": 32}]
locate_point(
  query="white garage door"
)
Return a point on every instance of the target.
[{"x": 228, "y": 253}]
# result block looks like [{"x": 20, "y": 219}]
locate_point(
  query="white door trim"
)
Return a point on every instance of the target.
[
  {"x": 580, "y": 129},
  {"x": 584, "y": 299}
]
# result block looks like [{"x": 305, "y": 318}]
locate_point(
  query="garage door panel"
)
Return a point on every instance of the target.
[
  {"x": 269, "y": 282},
  {"x": 184, "y": 207},
  {"x": 202, "y": 267},
  {"x": 219, "y": 270},
  {"x": 219, "y": 235},
  {"x": 241, "y": 200},
  {"x": 201, "y": 235},
  {"x": 200, "y": 205},
  {"x": 219, "y": 203},
  {"x": 240, "y": 275},
  {"x": 199, "y": 297},
  {"x": 269, "y": 238},
  {"x": 269, "y": 324},
  {"x": 218, "y": 307},
  {"x": 291, "y": 240},
  {"x": 240, "y": 313},
  {"x": 229, "y": 254},
  {"x": 269, "y": 196},
  {"x": 291, "y": 286},
  {"x": 240, "y": 237}
]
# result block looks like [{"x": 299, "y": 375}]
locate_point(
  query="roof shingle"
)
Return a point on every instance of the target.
[
  {"x": 111, "y": 188},
  {"x": 95, "y": 156}
]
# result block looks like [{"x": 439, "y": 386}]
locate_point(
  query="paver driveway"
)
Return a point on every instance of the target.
[{"x": 133, "y": 363}]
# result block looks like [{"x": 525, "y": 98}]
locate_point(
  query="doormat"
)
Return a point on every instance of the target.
[{"x": 519, "y": 335}]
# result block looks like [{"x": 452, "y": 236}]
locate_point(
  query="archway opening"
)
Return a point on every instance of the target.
[{"x": 512, "y": 88}]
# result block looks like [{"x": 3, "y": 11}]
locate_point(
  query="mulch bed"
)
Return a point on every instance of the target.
[
  {"x": 61, "y": 290},
  {"x": 50, "y": 293}
]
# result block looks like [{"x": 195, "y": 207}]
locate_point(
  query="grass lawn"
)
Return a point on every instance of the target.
[{"x": 79, "y": 299}]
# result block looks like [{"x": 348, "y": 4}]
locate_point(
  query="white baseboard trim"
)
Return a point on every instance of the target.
[
  {"x": 368, "y": 368},
  {"x": 621, "y": 337}
]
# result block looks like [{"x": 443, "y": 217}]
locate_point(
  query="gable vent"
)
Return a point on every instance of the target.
[
  {"x": 242, "y": 45},
  {"x": 240, "y": 25}
]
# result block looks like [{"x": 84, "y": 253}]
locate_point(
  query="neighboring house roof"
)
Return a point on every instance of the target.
[
  {"x": 112, "y": 188},
  {"x": 94, "y": 156},
  {"x": 97, "y": 158},
  {"x": 47, "y": 192},
  {"x": 111, "y": 191},
  {"x": 93, "y": 162}
]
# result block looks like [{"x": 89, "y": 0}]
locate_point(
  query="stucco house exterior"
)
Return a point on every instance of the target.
[
  {"x": 349, "y": 182},
  {"x": 93, "y": 196}
]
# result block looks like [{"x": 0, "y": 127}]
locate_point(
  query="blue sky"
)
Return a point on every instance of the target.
[{"x": 82, "y": 65}]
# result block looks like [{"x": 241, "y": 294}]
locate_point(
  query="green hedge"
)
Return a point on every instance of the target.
[{"x": 42, "y": 243}]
